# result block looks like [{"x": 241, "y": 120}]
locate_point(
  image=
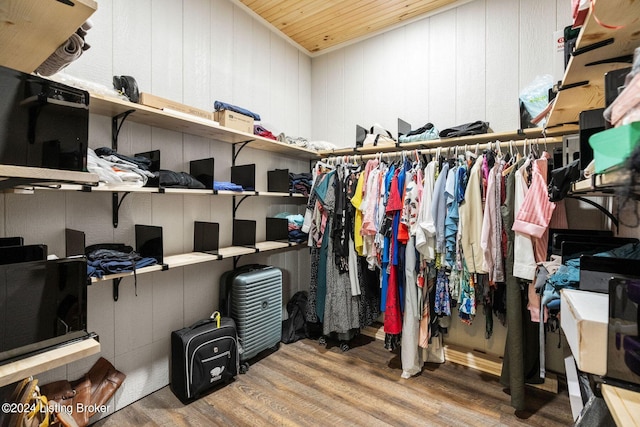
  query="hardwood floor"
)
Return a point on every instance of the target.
[{"x": 304, "y": 384}]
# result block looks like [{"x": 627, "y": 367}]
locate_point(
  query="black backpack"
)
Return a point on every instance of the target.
[{"x": 295, "y": 327}]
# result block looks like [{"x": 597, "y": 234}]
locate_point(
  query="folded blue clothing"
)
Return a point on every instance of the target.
[
  {"x": 297, "y": 236},
  {"x": 427, "y": 135},
  {"x": 98, "y": 268},
  {"x": 218, "y": 105},
  {"x": 228, "y": 186}
]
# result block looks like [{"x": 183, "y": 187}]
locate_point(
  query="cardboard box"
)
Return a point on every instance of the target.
[
  {"x": 584, "y": 320},
  {"x": 162, "y": 103},
  {"x": 233, "y": 120}
]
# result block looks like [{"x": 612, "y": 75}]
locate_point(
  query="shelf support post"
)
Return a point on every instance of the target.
[
  {"x": 116, "y": 288},
  {"x": 115, "y": 206}
]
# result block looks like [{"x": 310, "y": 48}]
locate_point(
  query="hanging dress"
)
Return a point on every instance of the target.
[{"x": 341, "y": 308}]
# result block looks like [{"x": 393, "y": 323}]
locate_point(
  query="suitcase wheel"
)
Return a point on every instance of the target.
[{"x": 244, "y": 367}]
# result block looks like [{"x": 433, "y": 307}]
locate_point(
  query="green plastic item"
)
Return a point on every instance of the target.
[{"x": 613, "y": 146}]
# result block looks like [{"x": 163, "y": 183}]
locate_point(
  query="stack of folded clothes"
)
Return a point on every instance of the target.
[
  {"x": 298, "y": 141},
  {"x": 104, "y": 261},
  {"x": 171, "y": 179},
  {"x": 425, "y": 133},
  {"x": 219, "y": 105},
  {"x": 300, "y": 182},
  {"x": 263, "y": 132},
  {"x": 117, "y": 169},
  {"x": 295, "y": 227}
]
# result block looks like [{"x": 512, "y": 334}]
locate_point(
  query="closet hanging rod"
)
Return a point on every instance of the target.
[{"x": 504, "y": 145}]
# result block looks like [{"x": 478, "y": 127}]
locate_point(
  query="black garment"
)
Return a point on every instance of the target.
[
  {"x": 339, "y": 232},
  {"x": 423, "y": 129},
  {"x": 473, "y": 128},
  {"x": 167, "y": 178},
  {"x": 521, "y": 362},
  {"x": 369, "y": 293},
  {"x": 561, "y": 180},
  {"x": 295, "y": 327}
]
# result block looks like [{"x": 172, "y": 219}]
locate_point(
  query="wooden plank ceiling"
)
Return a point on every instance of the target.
[{"x": 320, "y": 24}]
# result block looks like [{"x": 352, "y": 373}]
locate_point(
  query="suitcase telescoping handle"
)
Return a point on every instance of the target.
[{"x": 215, "y": 317}]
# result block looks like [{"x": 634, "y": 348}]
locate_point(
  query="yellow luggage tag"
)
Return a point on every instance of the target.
[{"x": 216, "y": 316}]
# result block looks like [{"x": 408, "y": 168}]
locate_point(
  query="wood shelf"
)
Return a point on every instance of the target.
[
  {"x": 624, "y": 405},
  {"x": 192, "y": 258},
  {"x": 19, "y": 175},
  {"x": 551, "y": 136},
  {"x": 107, "y": 106},
  {"x": 601, "y": 184},
  {"x": 155, "y": 190},
  {"x": 32, "y": 30},
  {"x": 16, "y": 371},
  {"x": 581, "y": 68}
]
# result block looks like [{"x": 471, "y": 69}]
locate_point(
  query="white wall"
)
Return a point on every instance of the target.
[
  {"x": 194, "y": 51},
  {"x": 466, "y": 64}
]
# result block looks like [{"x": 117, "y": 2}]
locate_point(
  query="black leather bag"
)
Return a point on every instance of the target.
[{"x": 472, "y": 128}]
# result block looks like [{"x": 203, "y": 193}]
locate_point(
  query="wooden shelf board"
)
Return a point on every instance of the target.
[
  {"x": 570, "y": 102},
  {"x": 46, "y": 175},
  {"x": 602, "y": 182},
  {"x": 108, "y": 106},
  {"x": 624, "y": 405},
  {"x": 189, "y": 191},
  {"x": 272, "y": 246},
  {"x": 143, "y": 270},
  {"x": 552, "y": 135},
  {"x": 35, "y": 29},
  {"x": 236, "y": 193},
  {"x": 124, "y": 189},
  {"x": 231, "y": 251},
  {"x": 181, "y": 260},
  {"x": 154, "y": 190},
  {"x": 16, "y": 371},
  {"x": 278, "y": 194}
]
